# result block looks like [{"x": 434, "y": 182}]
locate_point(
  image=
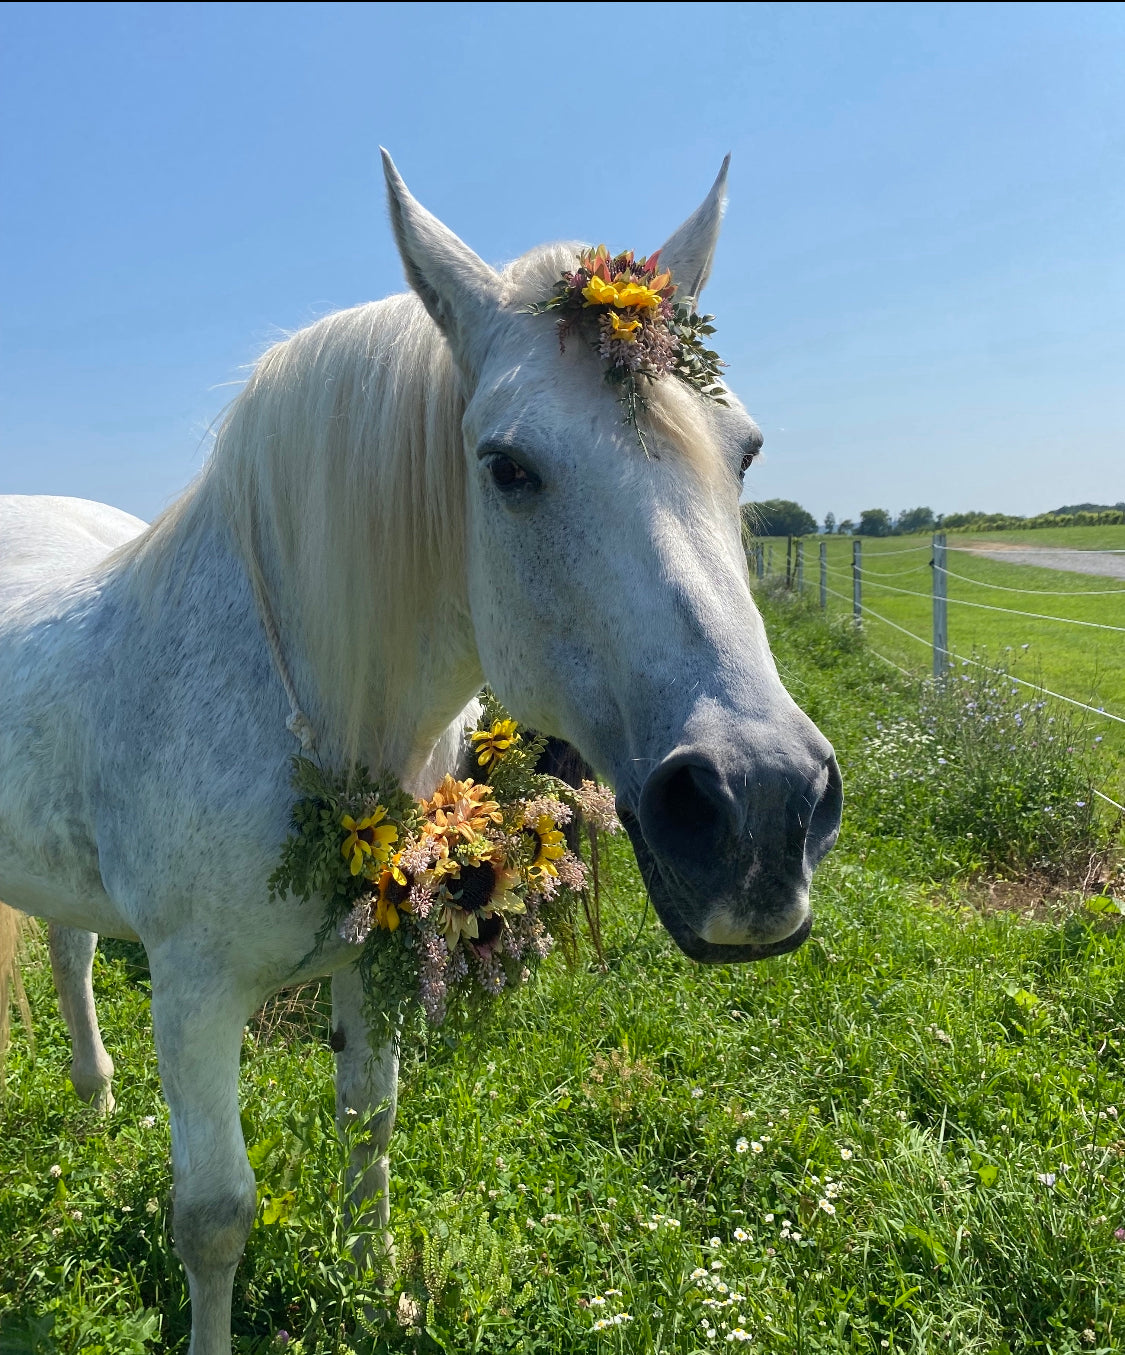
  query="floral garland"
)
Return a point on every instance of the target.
[
  {"x": 641, "y": 330},
  {"x": 452, "y": 899}
]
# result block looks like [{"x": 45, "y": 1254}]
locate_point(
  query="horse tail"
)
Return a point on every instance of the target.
[{"x": 11, "y": 982}]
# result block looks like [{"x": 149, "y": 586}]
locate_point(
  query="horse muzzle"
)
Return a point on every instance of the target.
[{"x": 728, "y": 855}]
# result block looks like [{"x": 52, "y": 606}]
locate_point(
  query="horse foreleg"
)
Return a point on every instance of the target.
[
  {"x": 366, "y": 1099},
  {"x": 72, "y": 964},
  {"x": 198, "y": 1018}
]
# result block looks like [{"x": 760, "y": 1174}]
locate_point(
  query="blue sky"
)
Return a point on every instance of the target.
[{"x": 920, "y": 290}]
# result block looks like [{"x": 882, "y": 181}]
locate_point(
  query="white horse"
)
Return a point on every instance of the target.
[{"x": 408, "y": 499}]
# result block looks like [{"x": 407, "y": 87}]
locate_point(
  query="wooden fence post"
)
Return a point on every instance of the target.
[
  {"x": 824, "y": 576},
  {"x": 857, "y": 587},
  {"x": 941, "y": 628}
]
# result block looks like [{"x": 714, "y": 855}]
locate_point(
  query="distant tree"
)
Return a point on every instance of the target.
[
  {"x": 846, "y": 528},
  {"x": 778, "y": 517},
  {"x": 829, "y": 523},
  {"x": 915, "y": 520},
  {"x": 874, "y": 522}
]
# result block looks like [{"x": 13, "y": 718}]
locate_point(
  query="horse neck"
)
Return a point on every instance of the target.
[{"x": 341, "y": 477}]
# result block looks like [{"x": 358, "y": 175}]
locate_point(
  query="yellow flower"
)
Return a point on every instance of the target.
[
  {"x": 393, "y": 896},
  {"x": 626, "y": 330},
  {"x": 369, "y": 838},
  {"x": 637, "y": 296},
  {"x": 551, "y": 847},
  {"x": 599, "y": 293},
  {"x": 460, "y": 809},
  {"x": 490, "y": 745},
  {"x": 626, "y": 295}
]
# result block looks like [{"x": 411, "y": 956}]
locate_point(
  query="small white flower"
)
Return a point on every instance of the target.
[
  {"x": 597, "y": 1301},
  {"x": 601, "y": 1324},
  {"x": 756, "y": 1147},
  {"x": 621, "y": 1318},
  {"x": 149, "y": 1121},
  {"x": 613, "y": 1293},
  {"x": 55, "y": 1170},
  {"x": 846, "y": 1154},
  {"x": 741, "y": 1235},
  {"x": 742, "y": 1146},
  {"x": 696, "y": 1093},
  {"x": 769, "y": 1218},
  {"x": 827, "y": 1206},
  {"x": 698, "y": 1273},
  {"x": 716, "y": 1242},
  {"x": 76, "y": 1215},
  {"x": 716, "y": 1265}
]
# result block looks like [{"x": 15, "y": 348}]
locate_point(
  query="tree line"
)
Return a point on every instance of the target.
[{"x": 784, "y": 517}]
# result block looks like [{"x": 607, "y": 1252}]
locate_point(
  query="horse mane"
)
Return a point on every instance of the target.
[{"x": 339, "y": 469}]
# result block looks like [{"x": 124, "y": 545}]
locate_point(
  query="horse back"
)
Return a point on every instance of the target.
[{"x": 47, "y": 540}]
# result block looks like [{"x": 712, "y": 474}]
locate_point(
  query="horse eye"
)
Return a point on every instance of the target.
[
  {"x": 748, "y": 458},
  {"x": 506, "y": 473}
]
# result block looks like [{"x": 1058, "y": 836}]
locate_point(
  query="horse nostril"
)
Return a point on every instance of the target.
[
  {"x": 684, "y": 805},
  {"x": 824, "y": 826}
]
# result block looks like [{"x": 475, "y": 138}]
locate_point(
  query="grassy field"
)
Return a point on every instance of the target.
[
  {"x": 1079, "y": 661},
  {"x": 903, "y": 1137}
]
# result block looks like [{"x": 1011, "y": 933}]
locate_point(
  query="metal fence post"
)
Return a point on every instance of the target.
[
  {"x": 941, "y": 629},
  {"x": 800, "y": 565},
  {"x": 824, "y": 576},
  {"x": 857, "y": 571}
]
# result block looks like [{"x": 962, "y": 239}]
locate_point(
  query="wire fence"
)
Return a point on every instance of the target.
[{"x": 938, "y": 598}]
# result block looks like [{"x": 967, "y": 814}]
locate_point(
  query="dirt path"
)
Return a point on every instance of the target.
[{"x": 1073, "y": 562}]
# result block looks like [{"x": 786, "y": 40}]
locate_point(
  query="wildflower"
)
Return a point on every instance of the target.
[
  {"x": 696, "y": 1093},
  {"x": 597, "y": 1301},
  {"x": 550, "y": 847},
  {"x": 367, "y": 838},
  {"x": 624, "y": 330},
  {"x": 698, "y": 1273},
  {"x": 738, "y": 1334},
  {"x": 598, "y": 806},
  {"x": 756, "y": 1147},
  {"x": 741, "y": 1235},
  {"x": 768, "y": 1218},
  {"x": 716, "y": 1242},
  {"x": 742, "y": 1146},
  {"x": 1119, "y": 1234},
  {"x": 490, "y": 745},
  {"x": 55, "y": 1170},
  {"x": 846, "y": 1154},
  {"x": 1047, "y": 1178},
  {"x": 827, "y": 1206}
]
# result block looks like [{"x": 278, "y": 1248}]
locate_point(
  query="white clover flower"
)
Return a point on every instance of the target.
[
  {"x": 54, "y": 1170},
  {"x": 742, "y": 1146}
]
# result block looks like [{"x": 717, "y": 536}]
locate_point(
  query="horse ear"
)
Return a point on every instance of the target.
[
  {"x": 456, "y": 286},
  {"x": 688, "y": 252}
]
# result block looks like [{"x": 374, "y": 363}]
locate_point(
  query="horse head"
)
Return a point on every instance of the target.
[{"x": 609, "y": 592}]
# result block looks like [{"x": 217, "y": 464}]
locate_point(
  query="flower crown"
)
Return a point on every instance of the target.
[
  {"x": 454, "y": 898},
  {"x": 641, "y": 330}
]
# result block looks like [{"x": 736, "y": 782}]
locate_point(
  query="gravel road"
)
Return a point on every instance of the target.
[{"x": 1073, "y": 562}]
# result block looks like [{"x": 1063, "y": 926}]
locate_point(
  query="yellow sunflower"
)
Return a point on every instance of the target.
[
  {"x": 367, "y": 843},
  {"x": 393, "y": 896},
  {"x": 551, "y": 845},
  {"x": 490, "y": 745}
]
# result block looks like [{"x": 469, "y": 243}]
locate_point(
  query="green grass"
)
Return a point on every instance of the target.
[
  {"x": 1078, "y": 661},
  {"x": 946, "y": 1080}
]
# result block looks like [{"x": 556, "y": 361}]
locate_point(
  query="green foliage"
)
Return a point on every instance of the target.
[
  {"x": 874, "y": 522},
  {"x": 778, "y": 517}
]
